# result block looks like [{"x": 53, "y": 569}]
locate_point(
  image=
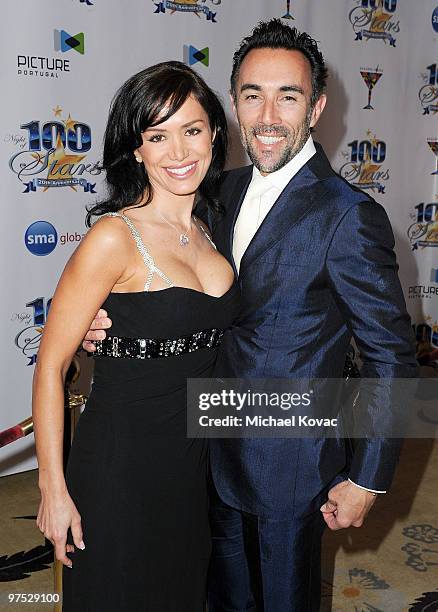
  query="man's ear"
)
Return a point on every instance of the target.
[{"x": 317, "y": 110}]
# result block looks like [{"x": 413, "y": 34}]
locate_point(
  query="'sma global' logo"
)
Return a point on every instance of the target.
[
  {"x": 41, "y": 238},
  {"x": 435, "y": 19},
  {"x": 64, "y": 41}
]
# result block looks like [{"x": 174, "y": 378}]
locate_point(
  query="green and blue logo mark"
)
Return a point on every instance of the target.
[
  {"x": 192, "y": 55},
  {"x": 66, "y": 42}
]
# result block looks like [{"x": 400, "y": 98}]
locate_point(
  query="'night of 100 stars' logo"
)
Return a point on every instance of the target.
[
  {"x": 195, "y": 7},
  {"x": 29, "y": 338},
  {"x": 375, "y": 20},
  {"x": 423, "y": 231},
  {"x": 428, "y": 93},
  {"x": 364, "y": 165},
  {"x": 57, "y": 150}
]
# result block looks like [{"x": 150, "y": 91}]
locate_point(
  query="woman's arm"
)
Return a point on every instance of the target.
[{"x": 93, "y": 270}]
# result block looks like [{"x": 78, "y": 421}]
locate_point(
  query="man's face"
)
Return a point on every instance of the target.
[{"x": 273, "y": 106}]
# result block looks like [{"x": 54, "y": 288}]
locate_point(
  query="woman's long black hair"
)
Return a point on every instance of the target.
[{"x": 137, "y": 106}]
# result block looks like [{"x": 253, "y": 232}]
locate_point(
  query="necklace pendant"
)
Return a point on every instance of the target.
[{"x": 184, "y": 240}]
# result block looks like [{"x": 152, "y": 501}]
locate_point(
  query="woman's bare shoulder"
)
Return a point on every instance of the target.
[{"x": 108, "y": 231}]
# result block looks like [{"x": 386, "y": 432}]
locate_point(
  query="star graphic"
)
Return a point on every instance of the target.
[
  {"x": 368, "y": 171},
  {"x": 57, "y": 111},
  {"x": 61, "y": 159},
  {"x": 70, "y": 123},
  {"x": 374, "y": 140}
]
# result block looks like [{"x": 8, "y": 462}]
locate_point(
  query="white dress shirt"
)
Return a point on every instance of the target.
[{"x": 262, "y": 193}]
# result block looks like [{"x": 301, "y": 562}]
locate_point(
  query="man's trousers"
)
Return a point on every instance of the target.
[{"x": 264, "y": 565}]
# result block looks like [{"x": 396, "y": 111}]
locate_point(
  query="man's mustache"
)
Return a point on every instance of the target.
[{"x": 270, "y": 130}]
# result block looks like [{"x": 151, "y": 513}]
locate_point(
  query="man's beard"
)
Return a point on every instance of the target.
[{"x": 294, "y": 142}]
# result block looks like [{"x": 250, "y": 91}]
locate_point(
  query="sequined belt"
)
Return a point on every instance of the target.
[{"x": 153, "y": 348}]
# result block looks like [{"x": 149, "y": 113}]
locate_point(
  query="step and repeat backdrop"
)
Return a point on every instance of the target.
[{"x": 62, "y": 62}]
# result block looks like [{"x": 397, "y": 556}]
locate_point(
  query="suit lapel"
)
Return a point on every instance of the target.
[
  {"x": 295, "y": 201},
  {"x": 302, "y": 192}
]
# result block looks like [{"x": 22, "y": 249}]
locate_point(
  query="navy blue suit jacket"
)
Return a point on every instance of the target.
[{"x": 320, "y": 269}]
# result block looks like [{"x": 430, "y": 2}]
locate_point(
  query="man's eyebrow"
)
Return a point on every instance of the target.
[
  {"x": 246, "y": 86},
  {"x": 295, "y": 88},
  {"x": 283, "y": 88}
]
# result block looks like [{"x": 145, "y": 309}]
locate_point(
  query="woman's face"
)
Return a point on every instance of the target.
[{"x": 177, "y": 153}]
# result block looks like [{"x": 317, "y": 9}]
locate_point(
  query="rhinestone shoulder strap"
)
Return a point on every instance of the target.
[
  {"x": 147, "y": 257},
  {"x": 204, "y": 231}
]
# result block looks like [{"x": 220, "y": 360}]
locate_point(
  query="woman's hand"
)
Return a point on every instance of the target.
[{"x": 55, "y": 515}]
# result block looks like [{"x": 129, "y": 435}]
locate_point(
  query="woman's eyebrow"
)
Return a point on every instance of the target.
[{"x": 158, "y": 129}]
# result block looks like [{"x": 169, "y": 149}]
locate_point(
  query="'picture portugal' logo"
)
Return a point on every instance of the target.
[
  {"x": 195, "y": 7},
  {"x": 57, "y": 150},
  {"x": 375, "y": 20}
]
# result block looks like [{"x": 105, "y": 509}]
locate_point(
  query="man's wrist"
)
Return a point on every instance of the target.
[{"x": 373, "y": 491}]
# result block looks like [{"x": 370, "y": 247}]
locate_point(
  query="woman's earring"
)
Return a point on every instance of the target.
[{"x": 138, "y": 159}]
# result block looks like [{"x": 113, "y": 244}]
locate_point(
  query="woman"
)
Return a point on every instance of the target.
[{"x": 133, "y": 502}]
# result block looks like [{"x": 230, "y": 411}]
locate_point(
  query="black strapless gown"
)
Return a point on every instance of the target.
[{"x": 139, "y": 484}]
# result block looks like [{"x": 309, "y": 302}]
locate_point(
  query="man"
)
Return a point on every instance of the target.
[{"x": 315, "y": 262}]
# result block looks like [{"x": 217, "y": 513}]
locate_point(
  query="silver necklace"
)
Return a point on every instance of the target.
[{"x": 183, "y": 238}]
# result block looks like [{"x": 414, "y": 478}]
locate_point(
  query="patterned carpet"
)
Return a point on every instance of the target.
[{"x": 389, "y": 565}]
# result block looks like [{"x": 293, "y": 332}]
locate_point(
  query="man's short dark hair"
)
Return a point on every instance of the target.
[{"x": 274, "y": 34}]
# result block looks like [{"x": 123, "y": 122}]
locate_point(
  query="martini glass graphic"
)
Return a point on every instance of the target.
[
  {"x": 288, "y": 13},
  {"x": 371, "y": 77},
  {"x": 433, "y": 144}
]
